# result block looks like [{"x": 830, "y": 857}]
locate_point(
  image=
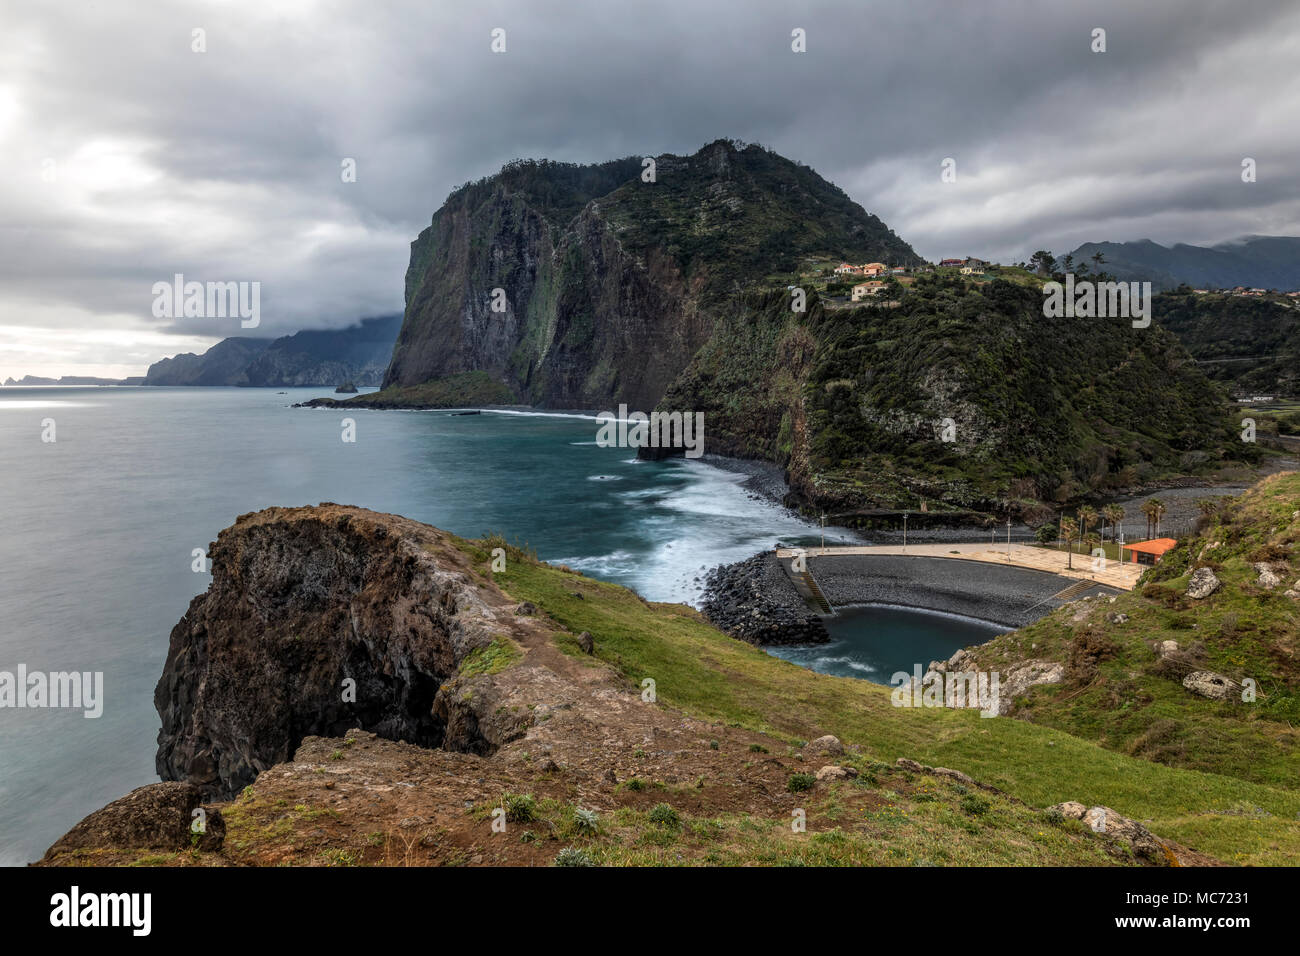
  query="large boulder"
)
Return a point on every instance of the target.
[
  {"x": 159, "y": 816},
  {"x": 1106, "y": 822},
  {"x": 1024, "y": 676},
  {"x": 829, "y": 744},
  {"x": 1211, "y": 685},
  {"x": 1203, "y": 583}
]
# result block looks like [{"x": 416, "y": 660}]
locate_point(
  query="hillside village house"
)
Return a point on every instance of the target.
[
  {"x": 865, "y": 290},
  {"x": 873, "y": 269},
  {"x": 845, "y": 269},
  {"x": 950, "y": 262},
  {"x": 972, "y": 270},
  {"x": 898, "y": 270}
]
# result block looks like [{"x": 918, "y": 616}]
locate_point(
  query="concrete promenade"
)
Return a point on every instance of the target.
[{"x": 1114, "y": 574}]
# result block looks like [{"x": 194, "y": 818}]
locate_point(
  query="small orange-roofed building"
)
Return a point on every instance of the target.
[{"x": 1149, "y": 552}]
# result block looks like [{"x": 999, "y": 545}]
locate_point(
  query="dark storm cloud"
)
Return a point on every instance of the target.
[{"x": 225, "y": 165}]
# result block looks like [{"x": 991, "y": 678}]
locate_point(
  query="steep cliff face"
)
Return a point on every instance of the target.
[
  {"x": 319, "y": 620},
  {"x": 611, "y": 284}
]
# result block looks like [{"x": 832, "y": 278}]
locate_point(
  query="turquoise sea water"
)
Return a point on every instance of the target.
[
  {"x": 875, "y": 642},
  {"x": 100, "y": 525}
]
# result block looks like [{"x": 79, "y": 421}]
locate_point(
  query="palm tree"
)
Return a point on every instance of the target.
[
  {"x": 1158, "y": 509},
  {"x": 1114, "y": 514},
  {"x": 1149, "y": 510},
  {"x": 1069, "y": 531},
  {"x": 1087, "y": 518}
]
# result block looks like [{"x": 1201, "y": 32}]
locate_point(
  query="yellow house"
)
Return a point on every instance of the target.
[{"x": 865, "y": 290}]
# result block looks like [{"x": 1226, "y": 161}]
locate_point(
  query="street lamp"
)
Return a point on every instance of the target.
[
  {"x": 904, "y": 530},
  {"x": 823, "y": 522},
  {"x": 1008, "y": 539}
]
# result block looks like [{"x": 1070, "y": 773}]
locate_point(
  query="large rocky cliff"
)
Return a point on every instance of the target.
[
  {"x": 319, "y": 620},
  {"x": 612, "y": 283},
  {"x": 672, "y": 294}
]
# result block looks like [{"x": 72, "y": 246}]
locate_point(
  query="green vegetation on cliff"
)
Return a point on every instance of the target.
[
  {"x": 1216, "y": 810},
  {"x": 1124, "y": 691},
  {"x": 585, "y": 287},
  {"x": 1250, "y": 344}
]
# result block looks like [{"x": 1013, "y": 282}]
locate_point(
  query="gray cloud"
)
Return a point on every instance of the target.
[{"x": 225, "y": 165}]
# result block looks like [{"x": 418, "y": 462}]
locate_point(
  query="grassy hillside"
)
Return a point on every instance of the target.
[
  {"x": 709, "y": 675},
  {"x": 1125, "y": 696},
  {"x": 1251, "y": 345}
]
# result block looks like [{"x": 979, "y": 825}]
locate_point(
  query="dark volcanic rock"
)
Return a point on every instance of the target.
[
  {"x": 754, "y": 600},
  {"x": 159, "y": 816},
  {"x": 303, "y": 602}
]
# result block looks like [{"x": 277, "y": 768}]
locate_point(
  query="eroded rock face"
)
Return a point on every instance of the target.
[
  {"x": 302, "y": 601},
  {"x": 159, "y": 816}
]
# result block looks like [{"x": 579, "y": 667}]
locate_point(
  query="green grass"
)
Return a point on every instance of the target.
[
  {"x": 711, "y": 676},
  {"x": 492, "y": 659},
  {"x": 1137, "y": 705}
]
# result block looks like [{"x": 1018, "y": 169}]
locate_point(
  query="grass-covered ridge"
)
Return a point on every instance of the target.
[
  {"x": 709, "y": 675},
  {"x": 1123, "y": 694}
]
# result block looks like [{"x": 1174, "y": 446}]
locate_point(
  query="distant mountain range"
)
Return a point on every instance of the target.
[
  {"x": 359, "y": 355},
  {"x": 1265, "y": 262},
  {"x": 74, "y": 380}
]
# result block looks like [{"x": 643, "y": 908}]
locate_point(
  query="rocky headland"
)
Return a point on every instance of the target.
[{"x": 357, "y": 688}]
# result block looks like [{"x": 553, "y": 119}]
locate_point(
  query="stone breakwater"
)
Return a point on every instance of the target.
[{"x": 754, "y": 600}]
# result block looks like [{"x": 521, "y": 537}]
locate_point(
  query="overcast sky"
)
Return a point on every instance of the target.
[{"x": 130, "y": 157}]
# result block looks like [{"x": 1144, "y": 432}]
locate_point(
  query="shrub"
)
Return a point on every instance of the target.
[
  {"x": 975, "y": 806},
  {"x": 587, "y": 821},
  {"x": 573, "y": 856},
  {"x": 800, "y": 782},
  {"x": 520, "y": 807},
  {"x": 661, "y": 814}
]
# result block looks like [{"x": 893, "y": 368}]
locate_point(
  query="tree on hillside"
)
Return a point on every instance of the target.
[
  {"x": 1046, "y": 534},
  {"x": 1043, "y": 262},
  {"x": 1208, "y": 507},
  {"x": 1148, "y": 510},
  {"x": 1069, "y": 531}
]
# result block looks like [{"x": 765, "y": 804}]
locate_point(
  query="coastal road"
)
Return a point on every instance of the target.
[{"x": 1114, "y": 574}]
